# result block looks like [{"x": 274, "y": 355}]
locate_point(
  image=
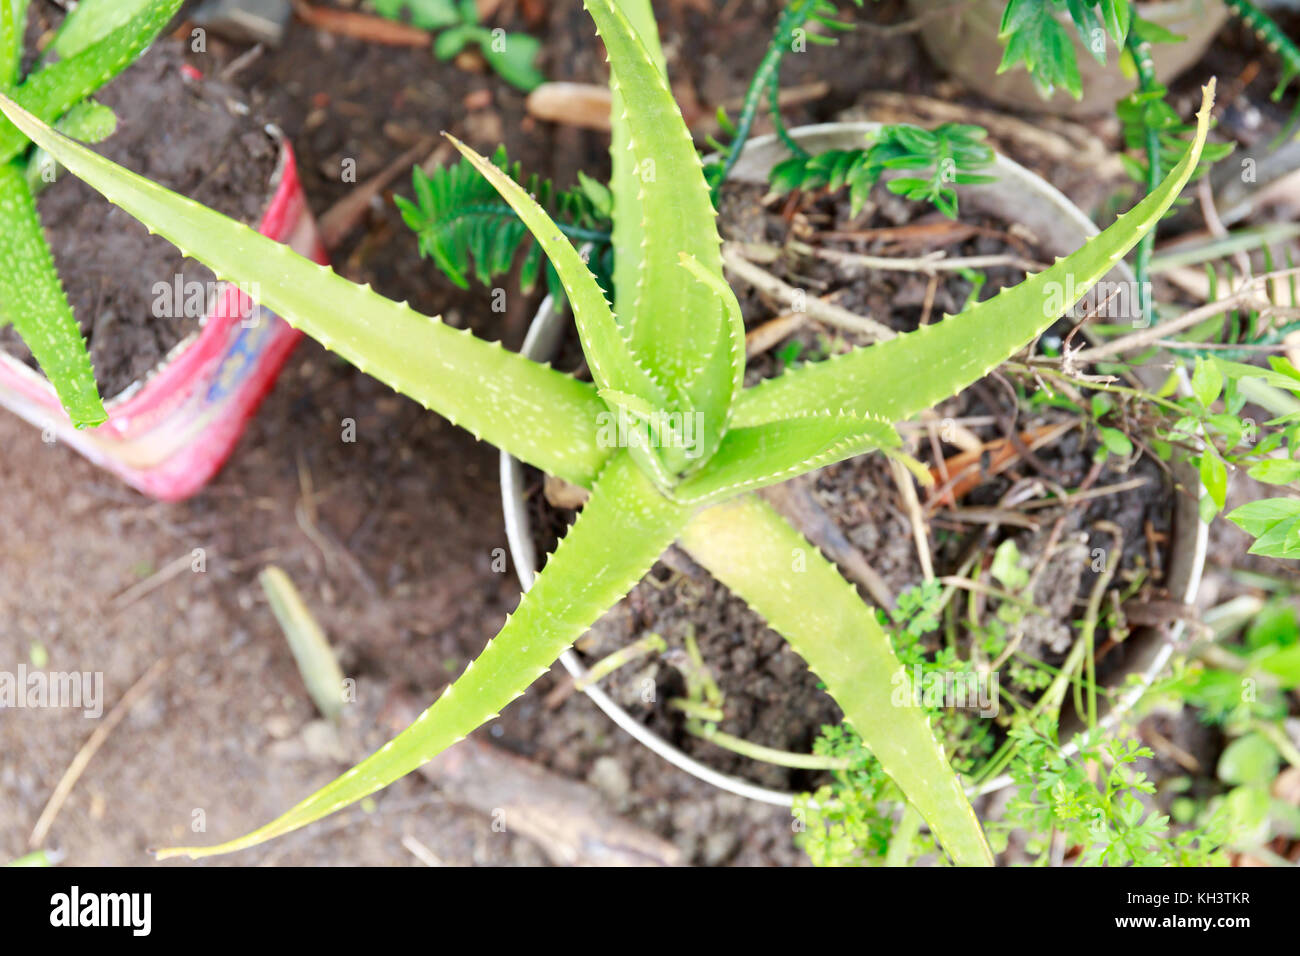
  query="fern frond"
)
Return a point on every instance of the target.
[
  {"x": 465, "y": 227},
  {"x": 1033, "y": 33},
  {"x": 946, "y": 155}
]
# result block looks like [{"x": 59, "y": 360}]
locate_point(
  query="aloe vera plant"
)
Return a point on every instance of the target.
[
  {"x": 98, "y": 40},
  {"x": 672, "y": 346}
]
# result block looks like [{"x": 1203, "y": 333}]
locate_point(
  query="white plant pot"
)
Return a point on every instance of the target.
[{"x": 1061, "y": 228}]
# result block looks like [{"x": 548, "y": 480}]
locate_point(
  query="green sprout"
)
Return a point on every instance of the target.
[
  {"x": 512, "y": 55},
  {"x": 947, "y": 155}
]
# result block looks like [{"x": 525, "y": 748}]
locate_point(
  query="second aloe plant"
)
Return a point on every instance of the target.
[
  {"x": 95, "y": 42},
  {"x": 668, "y": 361}
]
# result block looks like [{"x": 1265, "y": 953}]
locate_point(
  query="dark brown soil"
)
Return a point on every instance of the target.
[
  {"x": 195, "y": 137},
  {"x": 895, "y": 298}
]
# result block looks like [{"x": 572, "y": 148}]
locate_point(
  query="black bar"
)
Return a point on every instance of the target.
[{"x": 219, "y": 905}]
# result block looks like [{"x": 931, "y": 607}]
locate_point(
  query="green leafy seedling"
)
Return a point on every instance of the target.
[
  {"x": 667, "y": 358},
  {"x": 946, "y": 156},
  {"x": 512, "y": 55},
  {"x": 1033, "y": 33}
]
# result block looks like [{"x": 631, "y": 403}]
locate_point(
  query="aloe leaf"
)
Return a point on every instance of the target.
[
  {"x": 87, "y": 122},
  {"x": 680, "y": 330},
  {"x": 628, "y": 235},
  {"x": 32, "y": 298},
  {"x": 632, "y": 404},
  {"x": 54, "y": 89},
  {"x": 624, "y": 527},
  {"x": 762, "y": 455},
  {"x": 750, "y": 548},
  {"x": 915, "y": 371},
  {"x": 92, "y": 20},
  {"x": 732, "y": 331},
  {"x": 13, "y": 17},
  {"x": 613, "y": 365},
  {"x": 536, "y": 413}
]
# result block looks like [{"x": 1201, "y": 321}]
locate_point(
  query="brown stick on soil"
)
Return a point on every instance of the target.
[
  {"x": 920, "y": 533},
  {"x": 929, "y": 264},
  {"x": 772, "y": 332},
  {"x": 362, "y": 26},
  {"x": 768, "y": 284},
  {"x": 570, "y": 821},
  {"x": 922, "y": 235},
  {"x": 156, "y": 580},
  {"x": 970, "y": 469},
  {"x": 89, "y": 749},
  {"x": 344, "y": 215}
]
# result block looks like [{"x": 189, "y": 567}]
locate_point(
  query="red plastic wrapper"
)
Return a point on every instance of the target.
[{"x": 170, "y": 432}]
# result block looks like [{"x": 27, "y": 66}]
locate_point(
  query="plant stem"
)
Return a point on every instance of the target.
[
  {"x": 1089, "y": 629},
  {"x": 1286, "y": 747},
  {"x": 701, "y": 678},
  {"x": 782, "y": 758},
  {"x": 988, "y": 589},
  {"x": 767, "y": 78},
  {"x": 1273, "y": 37},
  {"x": 778, "y": 124},
  {"x": 651, "y": 643},
  {"x": 1050, "y": 701},
  {"x": 1146, "y": 78},
  {"x": 900, "y": 846},
  {"x": 697, "y": 709}
]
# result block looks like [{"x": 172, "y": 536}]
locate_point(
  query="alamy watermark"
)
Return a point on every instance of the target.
[
  {"x": 24, "y": 689},
  {"x": 658, "y": 429},
  {"x": 1105, "y": 300},
  {"x": 181, "y": 298},
  {"x": 966, "y": 690},
  {"x": 133, "y": 911}
]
